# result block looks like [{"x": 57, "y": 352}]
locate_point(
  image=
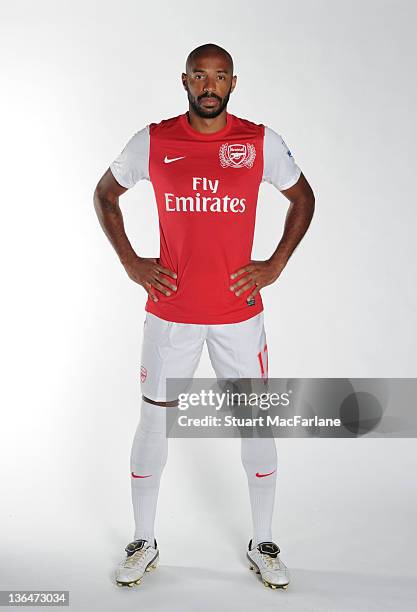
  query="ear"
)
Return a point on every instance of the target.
[
  {"x": 234, "y": 81},
  {"x": 184, "y": 80}
]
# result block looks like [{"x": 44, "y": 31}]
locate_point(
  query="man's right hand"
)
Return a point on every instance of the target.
[{"x": 146, "y": 271}]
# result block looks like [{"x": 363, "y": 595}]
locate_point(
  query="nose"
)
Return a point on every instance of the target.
[{"x": 210, "y": 85}]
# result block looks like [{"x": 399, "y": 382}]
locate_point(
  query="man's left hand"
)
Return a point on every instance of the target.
[{"x": 256, "y": 274}]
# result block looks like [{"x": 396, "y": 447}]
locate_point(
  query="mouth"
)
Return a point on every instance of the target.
[{"x": 210, "y": 102}]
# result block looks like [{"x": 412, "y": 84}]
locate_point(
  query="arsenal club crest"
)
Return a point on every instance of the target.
[{"x": 237, "y": 155}]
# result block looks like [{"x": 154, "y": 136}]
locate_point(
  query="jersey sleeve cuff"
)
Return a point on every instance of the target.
[
  {"x": 119, "y": 179},
  {"x": 291, "y": 181}
]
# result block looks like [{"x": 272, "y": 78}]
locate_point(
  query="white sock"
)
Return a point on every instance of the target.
[
  {"x": 259, "y": 458},
  {"x": 147, "y": 460}
]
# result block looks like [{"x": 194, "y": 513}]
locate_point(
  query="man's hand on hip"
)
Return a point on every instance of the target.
[
  {"x": 256, "y": 274},
  {"x": 146, "y": 271}
]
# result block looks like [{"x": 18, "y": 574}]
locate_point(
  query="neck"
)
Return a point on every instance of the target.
[{"x": 204, "y": 124}]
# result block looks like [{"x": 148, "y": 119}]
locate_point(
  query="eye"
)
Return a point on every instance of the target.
[{"x": 221, "y": 76}]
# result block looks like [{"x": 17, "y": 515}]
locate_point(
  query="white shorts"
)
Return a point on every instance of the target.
[{"x": 173, "y": 350}]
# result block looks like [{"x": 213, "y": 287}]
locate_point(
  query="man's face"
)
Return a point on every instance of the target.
[{"x": 209, "y": 82}]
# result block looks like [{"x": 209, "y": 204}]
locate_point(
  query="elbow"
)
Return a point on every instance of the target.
[
  {"x": 309, "y": 201},
  {"x": 99, "y": 196},
  {"x": 98, "y": 200},
  {"x": 97, "y": 193},
  {"x": 311, "y": 205},
  {"x": 305, "y": 205}
]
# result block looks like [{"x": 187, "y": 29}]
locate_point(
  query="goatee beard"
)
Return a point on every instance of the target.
[{"x": 207, "y": 113}]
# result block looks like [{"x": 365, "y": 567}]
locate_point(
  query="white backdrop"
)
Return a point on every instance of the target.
[{"x": 79, "y": 78}]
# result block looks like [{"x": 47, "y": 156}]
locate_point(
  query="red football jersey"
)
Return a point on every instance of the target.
[{"x": 206, "y": 189}]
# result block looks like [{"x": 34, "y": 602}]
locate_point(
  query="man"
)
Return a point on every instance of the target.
[{"x": 206, "y": 167}]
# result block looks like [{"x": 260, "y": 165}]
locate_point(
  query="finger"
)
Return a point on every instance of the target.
[
  {"x": 241, "y": 271},
  {"x": 160, "y": 288},
  {"x": 166, "y": 271},
  {"x": 241, "y": 281},
  {"x": 166, "y": 282},
  {"x": 150, "y": 292},
  {"x": 244, "y": 288},
  {"x": 253, "y": 293}
]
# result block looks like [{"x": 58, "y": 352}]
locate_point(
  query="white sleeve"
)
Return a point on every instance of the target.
[
  {"x": 132, "y": 164},
  {"x": 280, "y": 168}
]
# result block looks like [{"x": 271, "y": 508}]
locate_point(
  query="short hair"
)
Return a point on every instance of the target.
[{"x": 207, "y": 48}]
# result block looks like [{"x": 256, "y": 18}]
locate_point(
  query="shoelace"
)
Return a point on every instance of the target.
[{"x": 134, "y": 559}]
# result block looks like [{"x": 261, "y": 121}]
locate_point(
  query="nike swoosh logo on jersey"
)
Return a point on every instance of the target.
[
  {"x": 167, "y": 160},
  {"x": 137, "y": 475},
  {"x": 258, "y": 475}
]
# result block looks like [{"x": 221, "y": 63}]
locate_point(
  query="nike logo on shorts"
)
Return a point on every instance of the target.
[{"x": 137, "y": 475}]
